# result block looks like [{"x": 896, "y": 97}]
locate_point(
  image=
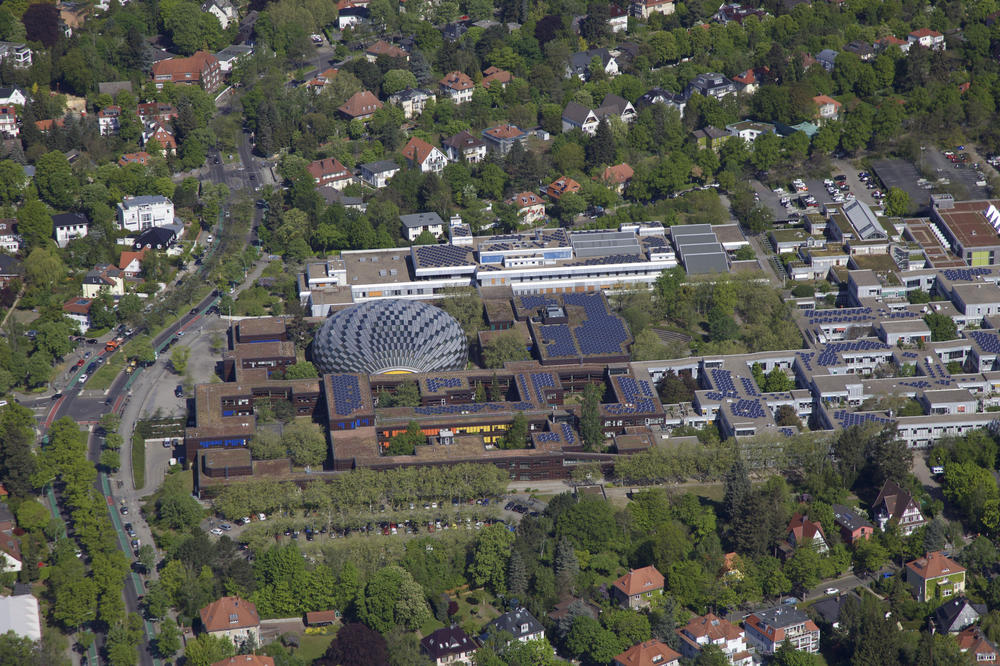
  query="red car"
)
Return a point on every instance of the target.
[{"x": 79, "y": 363}]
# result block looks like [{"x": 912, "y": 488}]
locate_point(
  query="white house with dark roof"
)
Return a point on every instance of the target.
[
  {"x": 417, "y": 223},
  {"x": 12, "y": 95},
  {"x": 378, "y": 174},
  {"x": 520, "y": 624},
  {"x": 67, "y": 226},
  {"x": 449, "y": 646},
  {"x": 465, "y": 146},
  {"x": 141, "y": 213}
]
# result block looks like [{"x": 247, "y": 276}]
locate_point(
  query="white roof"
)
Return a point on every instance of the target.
[{"x": 20, "y": 615}]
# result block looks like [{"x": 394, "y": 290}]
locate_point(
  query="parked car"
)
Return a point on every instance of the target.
[
  {"x": 832, "y": 590},
  {"x": 216, "y": 531}
]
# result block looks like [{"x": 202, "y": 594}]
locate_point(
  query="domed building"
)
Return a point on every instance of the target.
[{"x": 390, "y": 336}]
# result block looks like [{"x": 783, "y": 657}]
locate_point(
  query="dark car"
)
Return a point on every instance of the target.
[
  {"x": 194, "y": 311},
  {"x": 92, "y": 341},
  {"x": 179, "y": 391},
  {"x": 56, "y": 396},
  {"x": 92, "y": 367}
]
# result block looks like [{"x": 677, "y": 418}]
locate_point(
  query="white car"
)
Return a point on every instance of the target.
[
  {"x": 779, "y": 190},
  {"x": 832, "y": 590},
  {"x": 828, "y": 182},
  {"x": 216, "y": 531},
  {"x": 83, "y": 378}
]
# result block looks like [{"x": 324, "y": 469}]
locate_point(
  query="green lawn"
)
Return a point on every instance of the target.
[
  {"x": 138, "y": 462},
  {"x": 712, "y": 491},
  {"x": 312, "y": 647},
  {"x": 102, "y": 378}
]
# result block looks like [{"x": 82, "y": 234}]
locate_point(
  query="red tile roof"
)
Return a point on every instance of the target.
[
  {"x": 321, "y": 617},
  {"x": 496, "y": 75},
  {"x": 360, "y": 104},
  {"x": 77, "y": 306},
  {"x": 773, "y": 634},
  {"x": 416, "y": 150},
  {"x": 185, "y": 70},
  {"x": 934, "y": 565},
  {"x": 711, "y": 626},
  {"x": 128, "y": 257},
  {"x": 805, "y": 529},
  {"x": 505, "y": 131},
  {"x": 457, "y": 81},
  {"x": 229, "y": 613},
  {"x": 618, "y": 174},
  {"x": 561, "y": 187},
  {"x": 649, "y": 653},
  {"x": 925, "y": 32},
  {"x": 46, "y": 125},
  {"x": 820, "y": 100},
  {"x": 141, "y": 157},
  {"x": 327, "y": 167},
  {"x": 382, "y": 47},
  {"x": 640, "y": 581},
  {"x": 972, "y": 640},
  {"x": 525, "y": 199}
]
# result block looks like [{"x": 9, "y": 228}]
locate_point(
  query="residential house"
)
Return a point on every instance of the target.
[
  {"x": 156, "y": 112},
  {"x": 660, "y": 96},
  {"x": 713, "y": 630},
  {"x": 329, "y": 171},
  {"x": 351, "y": 13},
  {"x": 199, "y": 69},
  {"x": 804, "y": 532},
  {"x": 10, "y": 241},
  {"x": 561, "y": 186},
  {"x": 361, "y": 106},
  {"x": 103, "y": 278},
  {"x": 449, "y": 646},
  {"x": 711, "y": 84},
  {"x": 636, "y": 588},
  {"x": 955, "y": 615},
  {"x": 579, "y": 63},
  {"x": 645, "y": 8},
  {"x": 530, "y": 207},
  {"x": 8, "y": 122},
  {"x": 108, "y": 120},
  {"x": 78, "y": 310},
  {"x": 67, "y": 226},
  {"x": 520, "y": 624},
  {"x": 10, "y": 269},
  {"x": 417, "y": 223},
  {"x": 157, "y": 238},
  {"x": 11, "y": 559},
  {"x": 863, "y": 50},
  {"x": 853, "y": 527},
  {"x": 710, "y": 137},
  {"x": 618, "y": 107},
  {"x": 927, "y": 38},
  {"x": 884, "y": 44},
  {"x": 421, "y": 155},
  {"x": 496, "y": 76},
  {"x": 735, "y": 12},
  {"x": 413, "y": 101},
  {"x": 617, "y": 19},
  {"x": 321, "y": 80},
  {"x": 827, "y": 58},
  {"x": 972, "y": 641},
  {"x": 935, "y": 576},
  {"x": 141, "y": 213},
  {"x": 766, "y": 630},
  {"x": 232, "y": 618},
  {"x": 12, "y": 96},
  {"x": 457, "y": 86},
  {"x": 747, "y": 82},
  {"x": 16, "y": 53},
  {"x": 895, "y": 503},
  {"x": 223, "y": 10},
  {"x": 130, "y": 263},
  {"x": 648, "y": 653},
  {"x": 827, "y": 108},
  {"x": 385, "y": 49},
  {"x": 142, "y": 158},
  {"x": 465, "y": 146},
  {"x": 749, "y": 130},
  {"x": 578, "y": 116},
  {"x": 618, "y": 176},
  {"x": 232, "y": 54},
  {"x": 378, "y": 174},
  {"x": 46, "y": 126},
  {"x": 161, "y": 135},
  {"x": 501, "y": 138}
]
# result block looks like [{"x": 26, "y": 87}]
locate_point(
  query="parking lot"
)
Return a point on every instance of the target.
[
  {"x": 816, "y": 189},
  {"x": 962, "y": 175}
]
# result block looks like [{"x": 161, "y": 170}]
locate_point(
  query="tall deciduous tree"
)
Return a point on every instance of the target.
[
  {"x": 490, "y": 555},
  {"x": 590, "y": 418}
]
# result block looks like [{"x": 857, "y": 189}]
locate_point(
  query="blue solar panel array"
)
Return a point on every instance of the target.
[
  {"x": 435, "y": 384},
  {"x": 567, "y": 432},
  {"x": 965, "y": 274},
  {"x": 807, "y": 360},
  {"x": 634, "y": 390},
  {"x": 920, "y": 384},
  {"x": 610, "y": 259},
  {"x": 787, "y": 432},
  {"x": 723, "y": 380},
  {"x": 910, "y": 355},
  {"x": 436, "y": 256},
  {"x": 640, "y": 406},
  {"x": 988, "y": 341},
  {"x": 541, "y": 381},
  {"x": 434, "y": 410},
  {"x": 749, "y": 385},
  {"x": 548, "y": 437},
  {"x": 848, "y": 419},
  {"x": 749, "y": 409},
  {"x": 346, "y": 394},
  {"x": 562, "y": 340},
  {"x": 602, "y": 332},
  {"x": 535, "y": 302},
  {"x": 843, "y": 316},
  {"x": 829, "y": 354}
]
